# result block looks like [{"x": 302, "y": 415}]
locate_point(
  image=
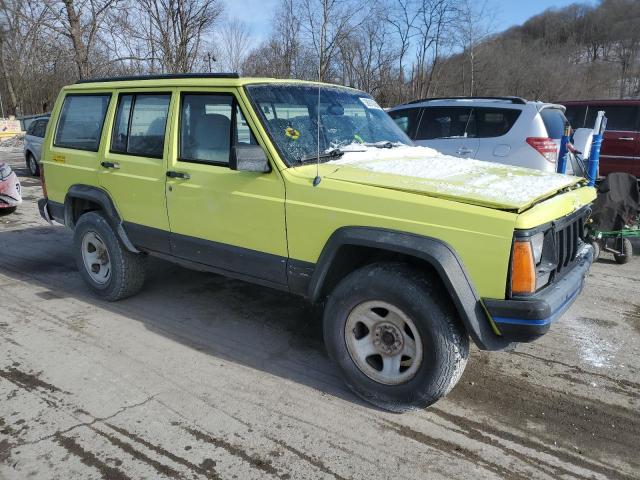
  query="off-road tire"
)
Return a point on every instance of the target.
[
  {"x": 444, "y": 340},
  {"x": 32, "y": 165},
  {"x": 128, "y": 270},
  {"x": 625, "y": 253}
]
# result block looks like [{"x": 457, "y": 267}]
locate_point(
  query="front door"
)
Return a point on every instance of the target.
[
  {"x": 133, "y": 169},
  {"x": 230, "y": 220}
]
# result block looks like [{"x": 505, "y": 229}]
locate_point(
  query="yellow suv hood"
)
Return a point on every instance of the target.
[{"x": 425, "y": 171}]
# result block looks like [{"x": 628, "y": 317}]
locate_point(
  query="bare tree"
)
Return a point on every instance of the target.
[
  {"x": 233, "y": 43},
  {"x": 402, "y": 16},
  {"x": 80, "y": 21},
  {"x": 473, "y": 25},
  {"x": 325, "y": 24},
  {"x": 174, "y": 31}
]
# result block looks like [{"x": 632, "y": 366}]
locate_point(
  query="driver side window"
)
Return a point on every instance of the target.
[{"x": 209, "y": 125}]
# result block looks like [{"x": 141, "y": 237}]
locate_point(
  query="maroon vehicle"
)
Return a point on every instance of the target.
[{"x": 621, "y": 146}]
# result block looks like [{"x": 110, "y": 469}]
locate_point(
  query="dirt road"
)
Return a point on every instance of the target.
[{"x": 204, "y": 377}]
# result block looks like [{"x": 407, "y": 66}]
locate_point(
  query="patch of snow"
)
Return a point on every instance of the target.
[
  {"x": 455, "y": 176},
  {"x": 12, "y": 144}
]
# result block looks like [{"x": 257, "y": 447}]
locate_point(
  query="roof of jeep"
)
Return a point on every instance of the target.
[{"x": 183, "y": 80}]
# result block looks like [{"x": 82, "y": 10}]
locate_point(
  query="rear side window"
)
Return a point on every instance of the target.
[
  {"x": 554, "y": 121},
  {"x": 407, "y": 119},
  {"x": 81, "y": 121},
  {"x": 575, "y": 115},
  {"x": 494, "y": 122},
  {"x": 619, "y": 117},
  {"x": 140, "y": 124},
  {"x": 446, "y": 122}
]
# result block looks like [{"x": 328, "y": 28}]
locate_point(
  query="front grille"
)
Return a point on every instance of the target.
[{"x": 569, "y": 236}]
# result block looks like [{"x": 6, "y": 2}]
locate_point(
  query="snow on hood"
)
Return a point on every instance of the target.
[{"x": 428, "y": 171}]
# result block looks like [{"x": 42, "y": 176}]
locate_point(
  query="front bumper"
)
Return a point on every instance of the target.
[{"x": 524, "y": 320}]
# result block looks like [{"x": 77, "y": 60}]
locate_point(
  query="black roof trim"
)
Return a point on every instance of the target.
[
  {"x": 159, "y": 77},
  {"x": 516, "y": 100}
]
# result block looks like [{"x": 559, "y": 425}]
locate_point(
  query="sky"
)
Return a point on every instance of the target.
[{"x": 258, "y": 13}]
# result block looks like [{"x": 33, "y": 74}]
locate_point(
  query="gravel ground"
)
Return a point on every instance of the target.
[{"x": 199, "y": 376}]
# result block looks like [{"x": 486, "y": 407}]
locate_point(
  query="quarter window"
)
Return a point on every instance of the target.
[
  {"x": 495, "y": 122},
  {"x": 140, "y": 124},
  {"x": 81, "y": 121},
  {"x": 209, "y": 125}
]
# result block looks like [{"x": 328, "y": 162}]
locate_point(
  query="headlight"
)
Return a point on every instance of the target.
[
  {"x": 537, "y": 242},
  {"x": 531, "y": 266}
]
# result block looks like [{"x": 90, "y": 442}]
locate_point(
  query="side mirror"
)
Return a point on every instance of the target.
[{"x": 249, "y": 158}]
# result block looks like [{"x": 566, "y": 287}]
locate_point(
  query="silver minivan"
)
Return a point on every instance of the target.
[
  {"x": 507, "y": 130},
  {"x": 33, "y": 140}
]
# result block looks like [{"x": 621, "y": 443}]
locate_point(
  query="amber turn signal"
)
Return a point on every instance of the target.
[{"x": 523, "y": 272}]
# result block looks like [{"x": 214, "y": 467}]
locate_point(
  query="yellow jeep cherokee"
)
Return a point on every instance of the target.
[{"x": 313, "y": 189}]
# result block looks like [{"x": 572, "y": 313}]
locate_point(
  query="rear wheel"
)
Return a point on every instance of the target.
[
  {"x": 32, "y": 165},
  {"x": 395, "y": 336},
  {"x": 626, "y": 251},
  {"x": 107, "y": 267}
]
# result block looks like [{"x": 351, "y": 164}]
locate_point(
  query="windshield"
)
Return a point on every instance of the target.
[{"x": 289, "y": 113}]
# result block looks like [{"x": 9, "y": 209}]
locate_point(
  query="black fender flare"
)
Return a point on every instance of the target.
[
  {"x": 99, "y": 197},
  {"x": 440, "y": 255}
]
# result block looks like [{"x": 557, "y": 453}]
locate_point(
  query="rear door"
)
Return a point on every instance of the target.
[
  {"x": 620, "y": 150},
  {"x": 449, "y": 130},
  {"x": 134, "y": 165}
]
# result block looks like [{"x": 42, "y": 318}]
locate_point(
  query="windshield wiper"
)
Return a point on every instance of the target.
[
  {"x": 382, "y": 144},
  {"x": 332, "y": 154}
]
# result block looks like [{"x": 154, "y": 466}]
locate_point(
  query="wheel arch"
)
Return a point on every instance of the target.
[
  {"x": 85, "y": 198},
  {"x": 348, "y": 248}
]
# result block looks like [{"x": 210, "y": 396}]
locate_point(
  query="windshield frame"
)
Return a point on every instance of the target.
[{"x": 263, "y": 120}]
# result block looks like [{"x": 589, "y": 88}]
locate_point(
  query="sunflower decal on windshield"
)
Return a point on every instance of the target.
[{"x": 292, "y": 133}]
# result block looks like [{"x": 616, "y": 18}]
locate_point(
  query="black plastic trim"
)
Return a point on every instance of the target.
[
  {"x": 99, "y": 197},
  {"x": 128, "y": 78},
  {"x": 437, "y": 253},
  {"x": 230, "y": 258},
  {"x": 525, "y": 319}
]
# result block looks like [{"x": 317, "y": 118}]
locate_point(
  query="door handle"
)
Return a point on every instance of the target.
[
  {"x": 113, "y": 165},
  {"x": 182, "y": 175},
  {"x": 627, "y": 139},
  {"x": 464, "y": 150}
]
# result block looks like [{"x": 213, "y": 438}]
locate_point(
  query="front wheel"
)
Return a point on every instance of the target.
[
  {"x": 626, "y": 252},
  {"x": 107, "y": 267},
  {"x": 395, "y": 336}
]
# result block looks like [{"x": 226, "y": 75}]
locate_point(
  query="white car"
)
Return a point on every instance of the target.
[
  {"x": 507, "y": 130},
  {"x": 33, "y": 140}
]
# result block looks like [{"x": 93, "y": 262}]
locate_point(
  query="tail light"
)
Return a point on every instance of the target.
[
  {"x": 545, "y": 147},
  {"x": 44, "y": 185}
]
